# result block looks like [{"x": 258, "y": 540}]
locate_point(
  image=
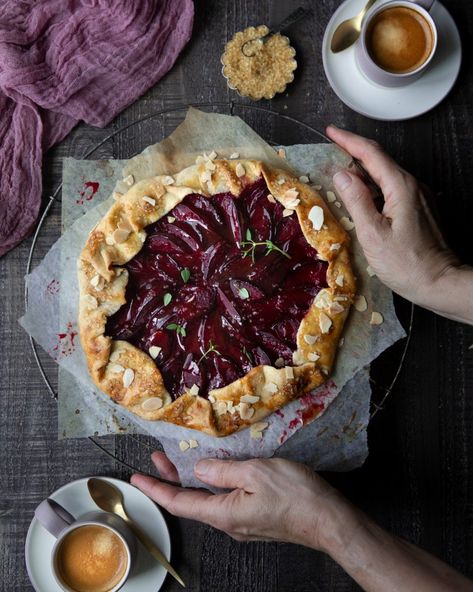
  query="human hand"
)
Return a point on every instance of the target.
[
  {"x": 271, "y": 499},
  {"x": 402, "y": 244}
]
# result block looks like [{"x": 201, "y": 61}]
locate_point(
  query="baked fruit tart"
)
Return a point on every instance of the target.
[{"x": 214, "y": 297}]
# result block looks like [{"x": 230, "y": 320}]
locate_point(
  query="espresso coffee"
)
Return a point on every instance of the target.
[
  {"x": 399, "y": 39},
  {"x": 91, "y": 559}
]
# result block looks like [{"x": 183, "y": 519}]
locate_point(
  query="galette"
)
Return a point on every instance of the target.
[{"x": 213, "y": 297}]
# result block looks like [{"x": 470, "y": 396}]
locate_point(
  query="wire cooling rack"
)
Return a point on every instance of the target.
[{"x": 278, "y": 129}]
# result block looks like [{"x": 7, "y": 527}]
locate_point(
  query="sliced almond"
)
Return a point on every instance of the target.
[
  {"x": 210, "y": 166},
  {"x": 194, "y": 390},
  {"x": 246, "y": 412},
  {"x": 292, "y": 204},
  {"x": 347, "y": 223},
  {"x": 316, "y": 216},
  {"x": 337, "y": 204},
  {"x": 271, "y": 387},
  {"x": 115, "y": 356},
  {"x": 152, "y": 404},
  {"x": 335, "y": 247},
  {"x": 339, "y": 280},
  {"x": 150, "y": 200},
  {"x": 116, "y": 195},
  {"x": 304, "y": 179},
  {"x": 271, "y": 198},
  {"x": 370, "y": 271},
  {"x": 193, "y": 444},
  {"x": 281, "y": 181},
  {"x": 313, "y": 357},
  {"x": 230, "y": 406},
  {"x": 200, "y": 159},
  {"x": 212, "y": 155},
  {"x": 109, "y": 240},
  {"x": 117, "y": 368},
  {"x": 279, "y": 363},
  {"x": 291, "y": 194},
  {"x": 211, "y": 398},
  {"x": 297, "y": 358},
  {"x": 171, "y": 219},
  {"x": 336, "y": 308},
  {"x": 234, "y": 155},
  {"x": 317, "y": 187},
  {"x": 287, "y": 212},
  {"x": 289, "y": 372},
  {"x": 331, "y": 197},
  {"x": 95, "y": 281},
  {"x": 360, "y": 303},
  {"x": 310, "y": 339},
  {"x": 154, "y": 351},
  {"x": 129, "y": 180},
  {"x": 220, "y": 407},
  {"x": 325, "y": 323},
  {"x": 240, "y": 170},
  {"x": 184, "y": 445},
  {"x": 120, "y": 235},
  {"x": 376, "y": 318},
  {"x": 250, "y": 399},
  {"x": 255, "y": 434},
  {"x": 259, "y": 426},
  {"x": 128, "y": 377},
  {"x": 167, "y": 180},
  {"x": 206, "y": 176},
  {"x": 323, "y": 300}
]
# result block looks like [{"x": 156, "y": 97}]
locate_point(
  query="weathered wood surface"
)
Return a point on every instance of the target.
[{"x": 418, "y": 480}]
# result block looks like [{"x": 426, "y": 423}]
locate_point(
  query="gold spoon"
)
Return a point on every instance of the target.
[
  {"x": 348, "y": 32},
  {"x": 110, "y": 499}
]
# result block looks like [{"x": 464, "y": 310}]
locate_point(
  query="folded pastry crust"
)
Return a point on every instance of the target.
[{"x": 131, "y": 377}]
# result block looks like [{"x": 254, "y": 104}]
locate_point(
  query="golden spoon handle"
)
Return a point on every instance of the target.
[
  {"x": 153, "y": 549},
  {"x": 368, "y": 5}
]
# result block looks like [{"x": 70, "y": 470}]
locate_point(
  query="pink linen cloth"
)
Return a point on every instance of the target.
[{"x": 63, "y": 61}]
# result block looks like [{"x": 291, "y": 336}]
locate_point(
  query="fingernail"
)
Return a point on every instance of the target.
[
  {"x": 203, "y": 466},
  {"x": 342, "y": 180}
]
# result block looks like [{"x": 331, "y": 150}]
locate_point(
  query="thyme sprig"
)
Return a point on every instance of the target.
[
  {"x": 179, "y": 329},
  {"x": 250, "y": 247},
  {"x": 211, "y": 348}
]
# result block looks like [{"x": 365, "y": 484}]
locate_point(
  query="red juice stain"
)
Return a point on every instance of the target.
[{"x": 90, "y": 189}]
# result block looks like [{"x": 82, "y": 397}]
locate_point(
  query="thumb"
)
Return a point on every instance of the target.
[
  {"x": 357, "y": 199},
  {"x": 221, "y": 473}
]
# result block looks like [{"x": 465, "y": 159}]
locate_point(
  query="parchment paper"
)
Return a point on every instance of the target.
[{"x": 336, "y": 440}]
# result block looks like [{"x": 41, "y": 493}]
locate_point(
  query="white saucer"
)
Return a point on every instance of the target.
[
  {"x": 393, "y": 104},
  {"x": 147, "y": 574}
]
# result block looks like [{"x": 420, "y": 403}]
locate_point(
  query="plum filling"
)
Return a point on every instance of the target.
[{"x": 221, "y": 286}]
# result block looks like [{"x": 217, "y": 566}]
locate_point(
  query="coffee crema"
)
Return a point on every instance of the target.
[
  {"x": 399, "y": 39},
  {"x": 91, "y": 558}
]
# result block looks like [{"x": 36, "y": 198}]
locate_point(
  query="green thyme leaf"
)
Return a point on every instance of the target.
[
  {"x": 243, "y": 293},
  {"x": 177, "y": 328},
  {"x": 167, "y": 298},
  {"x": 172, "y": 327},
  {"x": 248, "y": 234},
  {"x": 185, "y": 275}
]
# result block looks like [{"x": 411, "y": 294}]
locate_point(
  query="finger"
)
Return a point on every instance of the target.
[
  {"x": 357, "y": 199},
  {"x": 222, "y": 473},
  {"x": 165, "y": 467},
  {"x": 382, "y": 168},
  {"x": 187, "y": 503}
]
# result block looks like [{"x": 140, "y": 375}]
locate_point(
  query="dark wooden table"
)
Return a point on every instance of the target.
[{"x": 418, "y": 479}]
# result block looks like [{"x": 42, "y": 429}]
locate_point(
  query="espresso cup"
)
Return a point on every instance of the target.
[
  {"x": 92, "y": 553},
  {"x": 397, "y": 42}
]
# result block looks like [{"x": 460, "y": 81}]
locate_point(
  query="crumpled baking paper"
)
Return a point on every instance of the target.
[{"x": 336, "y": 440}]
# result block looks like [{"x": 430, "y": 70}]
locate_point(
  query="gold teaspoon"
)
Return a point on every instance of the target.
[
  {"x": 348, "y": 32},
  {"x": 110, "y": 499}
]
